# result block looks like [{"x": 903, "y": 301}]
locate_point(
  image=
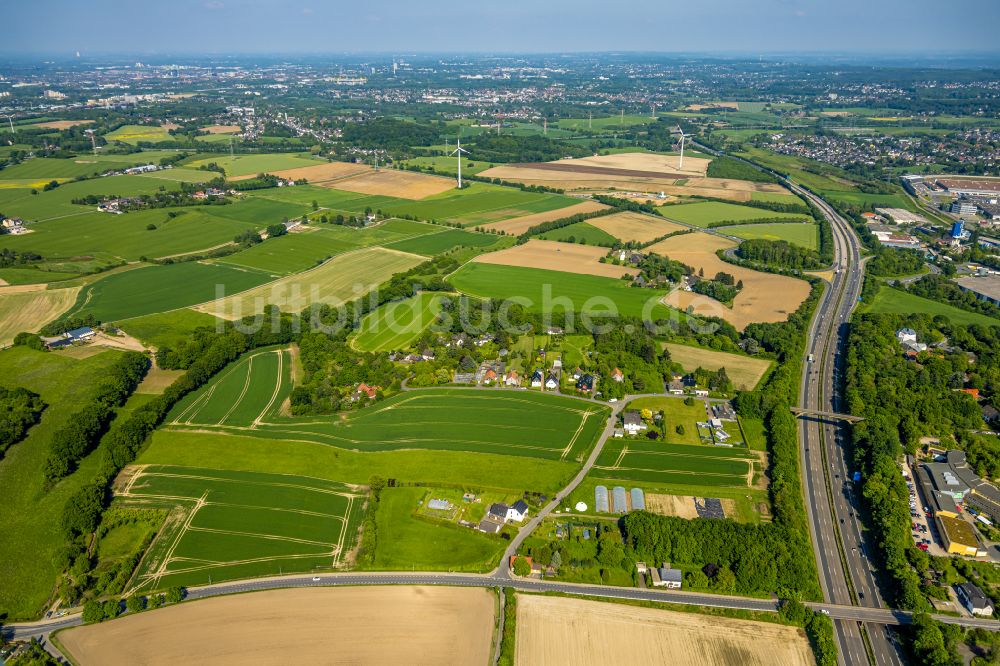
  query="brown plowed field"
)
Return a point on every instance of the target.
[
  {"x": 552, "y": 631},
  {"x": 556, "y": 256},
  {"x": 348, "y": 625},
  {"x": 221, "y": 129}
]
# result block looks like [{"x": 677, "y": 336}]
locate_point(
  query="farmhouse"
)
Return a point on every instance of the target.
[
  {"x": 633, "y": 422},
  {"x": 81, "y": 334}
]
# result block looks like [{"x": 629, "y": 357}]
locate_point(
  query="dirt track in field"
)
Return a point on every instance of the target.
[
  {"x": 556, "y": 256},
  {"x": 635, "y": 226},
  {"x": 316, "y": 174},
  {"x": 395, "y": 183},
  {"x": 553, "y": 631},
  {"x": 351, "y": 625},
  {"x": 765, "y": 297},
  {"x": 518, "y": 225}
]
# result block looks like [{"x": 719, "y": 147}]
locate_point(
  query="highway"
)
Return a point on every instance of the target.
[{"x": 846, "y": 576}]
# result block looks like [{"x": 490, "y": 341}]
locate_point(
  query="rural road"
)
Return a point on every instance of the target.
[{"x": 836, "y": 611}]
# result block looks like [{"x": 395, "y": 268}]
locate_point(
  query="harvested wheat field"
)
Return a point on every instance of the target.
[
  {"x": 765, "y": 297},
  {"x": 349, "y": 625},
  {"x": 396, "y": 183},
  {"x": 221, "y": 129},
  {"x": 316, "y": 174},
  {"x": 345, "y": 277},
  {"x": 552, "y": 631},
  {"x": 643, "y": 171},
  {"x": 62, "y": 124},
  {"x": 722, "y": 188},
  {"x": 556, "y": 256},
  {"x": 745, "y": 371},
  {"x": 681, "y": 506},
  {"x": 29, "y": 307},
  {"x": 635, "y": 227},
  {"x": 518, "y": 225}
]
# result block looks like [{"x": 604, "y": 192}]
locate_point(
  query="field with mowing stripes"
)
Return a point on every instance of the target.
[
  {"x": 806, "y": 234},
  {"x": 226, "y": 524},
  {"x": 660, "y": 463},
  {"x": 245, "y": 399},
  {"x": 395, "y": 325},
  {"x": 345, "y": 277}
]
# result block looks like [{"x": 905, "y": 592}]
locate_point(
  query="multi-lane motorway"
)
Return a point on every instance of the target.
[{"x": 846, "y": 575}]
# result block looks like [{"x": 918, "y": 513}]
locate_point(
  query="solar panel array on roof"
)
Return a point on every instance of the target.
[
  {"x": 638, "y": 499},
  {"x": 601, "y": 499},
  {"x": 619, "y": 504}
]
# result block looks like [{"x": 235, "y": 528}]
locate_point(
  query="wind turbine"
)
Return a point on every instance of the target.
[
  {"x": 11, "y": 120},
  {"x": 458, "y": 151},
  {"x": 680, "y": 163},
  {"x": 93, "y": 141}
]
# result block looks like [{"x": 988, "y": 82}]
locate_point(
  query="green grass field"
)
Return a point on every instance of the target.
[
  {"x": 32, "y": 276},
  {"x": 774, "y": 197},
  {"x": 48, "y": 168},
  {"x": 241, "y": 524},
  {"x": 580, "y": 231},
  {"x": 604, "y": 124},
  {"x": 894, "y": 301},
  {"x": 814, "y": 175},
  {"x": 126, "y": 237},
  {"x": 805, "y": 234},
  {"x": 395, "y": 325},
  {"x": 480, "y": 203},
  {"x": 433, "y": 244},
  {"x": 449, "y": 164},
  {"x": 161, "y": 288},
  {"x": 245, "y": 398},
  {"x": 30, "y": 512},
  {"x": 20, "y": 202},
  {"x": 407, "y": 540},
  {"x": 167, "y": 328},
  {"x": 587, "y": 293},
  {"x": 705, "y": 213},
  {"x": 247, "y": 165}
]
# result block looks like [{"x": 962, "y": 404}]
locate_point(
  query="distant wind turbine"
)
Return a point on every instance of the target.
[
  {"x": 93, "y": 141},
  {"x": 458, "y": 151}
]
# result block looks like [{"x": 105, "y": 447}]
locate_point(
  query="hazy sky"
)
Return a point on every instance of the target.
[{"x": 332, "y": 26}]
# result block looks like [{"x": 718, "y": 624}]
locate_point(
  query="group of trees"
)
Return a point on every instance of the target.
[
  {"x": 779, "y": 253},
  {"x": 722, "y": 287},
  {"x": 901, "y": 402},
  {"x": 98, "y": 611},
  {"x": 892, "y": 262},
  {"x": 12, "y": 258},
  {"x": 392, "y": 134},
  {"x": 19, "y": 410},
  {"x": 940, "y": 288},
  {"x": 728, "y": 167},
  {"x": 81, "y": 433},
  {"x": 528, "y": 148}
]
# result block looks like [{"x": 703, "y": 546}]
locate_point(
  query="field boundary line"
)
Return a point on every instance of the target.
[{"x": 258, "y": 535}]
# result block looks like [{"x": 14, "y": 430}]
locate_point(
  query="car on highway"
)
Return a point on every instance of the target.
[{"x": 316, "y": 579}]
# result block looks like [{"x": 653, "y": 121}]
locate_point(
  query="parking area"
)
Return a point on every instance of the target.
[{"x": 922, "y": 527}]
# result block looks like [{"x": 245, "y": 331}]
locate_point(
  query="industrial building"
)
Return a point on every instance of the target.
[
  {"x": 947, "y": 484},
  {"x": 962, "y": 207},
  {"x": 986, "y": 288}
]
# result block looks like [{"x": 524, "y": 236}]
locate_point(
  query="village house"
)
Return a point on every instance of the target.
[
  {"x": 633, "y": 423},
  {"x": 517, "y": 511},
  {"x": 512, "y": 379},
  {"x": 585, "y": 384},
  {"x": 536, "y": 379},
  {"x": 667, "y": 577},
  {"x": 618, "y": 375},
  {"x": 552, "y": 383}
]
